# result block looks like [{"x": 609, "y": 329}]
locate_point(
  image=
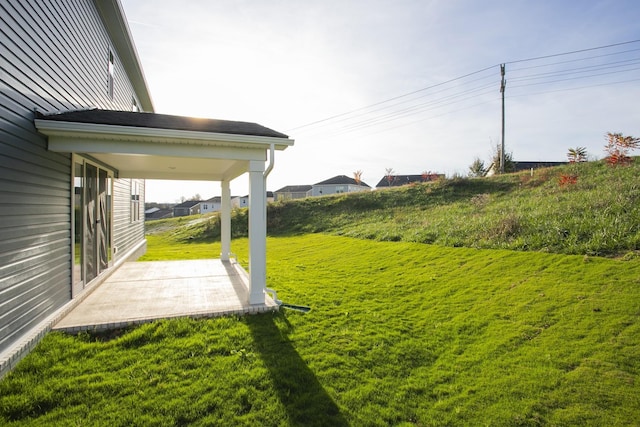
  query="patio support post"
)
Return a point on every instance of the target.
[
  {"x": 257, "y": 233},
  {"x": 225, "y": 220}
]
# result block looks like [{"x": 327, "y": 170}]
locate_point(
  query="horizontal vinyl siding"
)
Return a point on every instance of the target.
[
  {"x": 56, "y": 53},
  {"x": 126, "y": 233},
  {"x": 53, "y": 57},
  {"x": 35, "y": 250}
]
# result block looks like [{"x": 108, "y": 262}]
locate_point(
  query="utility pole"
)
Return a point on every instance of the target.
[{"x": 503, "y": 83}]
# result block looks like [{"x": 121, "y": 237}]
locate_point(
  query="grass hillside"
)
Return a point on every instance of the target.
[
  {"x": 399, "y": 334},
  {"x": 598, "y": 215}
]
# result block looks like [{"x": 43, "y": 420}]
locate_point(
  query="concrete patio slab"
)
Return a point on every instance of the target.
[{"x": 140, "y": 292}]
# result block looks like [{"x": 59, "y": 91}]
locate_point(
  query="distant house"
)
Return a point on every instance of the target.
[
  {"x": 399, "y": 180},
  {"x": 190, "y": 207},
  {"x": 338, "y": 184},
  {"x": 524, "y": 166},
  {"x": 292, "y": 192},
  {"x": 214, "y": 204},
  {"x": 157, "y": 213},
  {"x": 244, "y": 200}
]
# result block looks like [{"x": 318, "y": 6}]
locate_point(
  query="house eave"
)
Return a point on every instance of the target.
[{"x": 75, "y": 130}]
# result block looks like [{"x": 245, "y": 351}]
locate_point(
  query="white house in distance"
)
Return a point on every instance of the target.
[
  {"x": 214, "y": 204},
  {"x": 338, "y": 184},
  {"x": 244, "y": 200}
]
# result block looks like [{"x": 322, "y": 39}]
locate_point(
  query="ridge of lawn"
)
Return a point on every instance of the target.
[
  {"x": 399, "y": 333},
  {"x": 599, "y": 215}
]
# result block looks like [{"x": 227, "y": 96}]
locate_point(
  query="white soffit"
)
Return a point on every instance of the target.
[{"x": 155, "y": 153}]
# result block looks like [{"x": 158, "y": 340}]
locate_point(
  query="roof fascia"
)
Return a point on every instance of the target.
[
  {"x": 115, "y": 22},
  {"x": 175, "y": 136}
]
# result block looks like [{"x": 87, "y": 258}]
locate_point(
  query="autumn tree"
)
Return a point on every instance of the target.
[
  {"x": 357, "y": 176},
  {"x": 618, "y": 147}
]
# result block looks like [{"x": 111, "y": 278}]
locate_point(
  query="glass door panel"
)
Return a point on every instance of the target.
[{"x": 91, "y": 222}]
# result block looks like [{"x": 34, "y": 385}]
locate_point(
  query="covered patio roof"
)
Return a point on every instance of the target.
[{"x": 160, "y": 146}]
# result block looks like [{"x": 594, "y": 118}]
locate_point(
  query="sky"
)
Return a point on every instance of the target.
[{"x": 407, "y": 85}]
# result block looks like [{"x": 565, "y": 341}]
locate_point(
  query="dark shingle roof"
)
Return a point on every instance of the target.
[
  {"x": 294, "y": 189},
  {"x": 161, "y": 121},
  {"x": 398, "y": 180},
  {"x": 341, "y": 179},
  {"x": 188, "y": 204}
]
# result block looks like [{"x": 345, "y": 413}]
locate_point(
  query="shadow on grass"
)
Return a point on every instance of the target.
[{"x": 306, "y": 401}]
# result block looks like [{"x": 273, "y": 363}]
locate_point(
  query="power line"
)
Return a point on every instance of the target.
[
  {"x": 572, "y": 52},
  {"x": 574, "y": 88},
  {"x": 349, "y": 116},
  {"x": 586, "y": 69},
  {"x": 391, "y": 99},
  {"x": 407, "y": 105},
  {"x": 574, "y": 60},
  {"x": 576, "y": 78}
]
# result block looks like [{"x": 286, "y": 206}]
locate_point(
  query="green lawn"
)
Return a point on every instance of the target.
[
  {"x": 400, "y": 333},
  {"x": 599, "y": 215}
]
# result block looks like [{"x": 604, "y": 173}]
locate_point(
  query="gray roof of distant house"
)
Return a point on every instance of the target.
[
  {"x": 161, "y": 121},
  {"x": 341, "y": 179},
  {"x": 294, "y": 189},
  {"x": 188, "y": 204},
  {"x": 398, "y": 180}
]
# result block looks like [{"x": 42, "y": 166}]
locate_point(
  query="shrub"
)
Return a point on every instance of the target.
[{"x": 618, "y": 147}]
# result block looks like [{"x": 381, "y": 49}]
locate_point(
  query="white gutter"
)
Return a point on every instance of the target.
[{"x": 272, "y": 161}]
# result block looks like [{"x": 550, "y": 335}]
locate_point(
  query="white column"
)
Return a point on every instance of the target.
[
  {"x": 225, "y": 221},
  {"x": 257, "y": 233}
]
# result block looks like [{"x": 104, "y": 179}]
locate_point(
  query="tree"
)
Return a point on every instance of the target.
[
  {"x": 388, "y": 173},
  {"x": 429, "y": 176},
  {"x": 509, "y": 165},
  {"x": 618, "y": 147},
  {"x": 577, "y": 155},
  {"x": 357, "y": 176},
  {"x": 477, "y": 169}
]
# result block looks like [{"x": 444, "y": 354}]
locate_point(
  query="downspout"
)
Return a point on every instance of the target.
[
  {"x": 266, "y": 173},
  {"x": 272, "y": 160},
  {"x": 272, "y": 292}
]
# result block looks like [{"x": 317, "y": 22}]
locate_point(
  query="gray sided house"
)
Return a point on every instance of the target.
[
  {"x": 75, "y": 117},
  {"x": 190, "y": 207},
  {"x": 65, "y": 218},
  {"x": 291, "y": 192},
  {"x": 338, "y": 184}
]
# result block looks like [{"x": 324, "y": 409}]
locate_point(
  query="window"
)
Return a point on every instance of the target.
[
  {"x": 135, "y": 201},
  {"x": 111, "y": 71}
]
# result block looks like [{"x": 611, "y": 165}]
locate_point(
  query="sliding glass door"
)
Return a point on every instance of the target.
[{"x": 92, "y": 222}]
